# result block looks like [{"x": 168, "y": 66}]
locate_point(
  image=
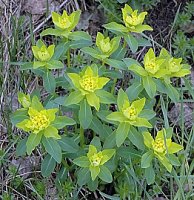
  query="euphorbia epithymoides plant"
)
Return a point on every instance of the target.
[{"x": 90, "y": 97}]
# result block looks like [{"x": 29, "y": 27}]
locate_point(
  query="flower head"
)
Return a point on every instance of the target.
[
  {"x": 43, "y": 53},
  {"x": 152, "y": 65},
  {"x": 40, "y": 120},
  {"x": 134, "y": 21},
  {"x": 162, "y": 146},
  {"x": 65, "y": 21},
  {"x": 88, "y": 84},
  {"x": 129, "y": 112},
  {"x": 105, "y": 45},
  {"x": 95, "y": 160},
  {"x": 173, "y": 65}
]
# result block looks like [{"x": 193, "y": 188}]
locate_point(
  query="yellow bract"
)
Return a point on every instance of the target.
[
  {"x": 43, "y": 53},
  {"x": 175, "y": 64},
  {"x": 133, "y": 19},
  {"x": 62, "y": 21},
  {"x": 105, "y": 45}
]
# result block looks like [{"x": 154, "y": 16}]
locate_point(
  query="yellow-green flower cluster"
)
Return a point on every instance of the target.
[
  {"x": 129, "y": 112},
  {"x": 43, "y": 53},
  {"x": 128, "y": 115},
  {"x": 105, "y": 45},
  {"x": 162, "y": 146},
  {"x": 164, "y": 66},
  {"x": 39, "y": 121},
  {"x": 95, "y": 161},
  {"x": 66, "y": 22},
  {"x": 87, "y": 83},
  {"x": 134, "y": 21}
]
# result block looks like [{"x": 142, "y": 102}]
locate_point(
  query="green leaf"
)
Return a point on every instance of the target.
[
  {"x": 116, "y": 64},
  {"x": 149, "y": 86},
  {"x": 83, "y": 176},
  {"x": 62, "y": 81},
  {"x": 74, "y": 98},
  {"x": 82, "y": 161},
  {"x": 92, "y": 184},
  {"x": 47, "y": 166},
  {"x": 130, "y": 61},
  {"x": 80, "y": 35},
  {"x": 113, "y": 74},
  {"x": 105, "y": 174},
  {"x": 49, "y": 82},
  {"x": 106, "y": 195},
  {"x": 116, "y": 28},
  {"x": 148, "y": 114},
  {"x": 26, "y": 66},
  {"x": 139, "y": 70},
  {"x": 38, "y": 64},
  {"x": 53, "y": 148},
  {"x": 122, "y": 133},
  {"x": 54, "y": 64},
  {"x": 142, "y": 42},
  {"x": 85, "y": 114},
  {"x": 103, "y": 115},
  {"x": 172, "y": 93},
  {"x": 150, "y": 175},
  {"x": 96, "y": 142},
  {"x": 33, "y": 141},
  {"x": 92, "y": 52},
  {"x": 80, "y": 44},
  {"x": 62, "y": 121},
  {"x": 18, "y": 116},
  {"x": 60, "y": 50},
  {"x": 97, "y": 126},
  {"x": 110, "y": 141},
  {"x": 68, "y": 144},
  {"x": 128, "y": 152},
  {"x": 136, "y": 138},
  {"x": 134, "y": 90},
  {"x": 21, "y": 147},
  {"x": 51, "y": 31},
  {"x": 173, "y": 160},
  {"x": 119, "y": 54},
  {"x": 132, "y": 42},
  {"x": 146, "y": 159},
  {"x": 105, "y": 97},
  {"x": 61, "y": 176}
]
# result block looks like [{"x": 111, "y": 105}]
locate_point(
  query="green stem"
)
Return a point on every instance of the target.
[
  {"x": 64, "y": 162},
  {"x": 113, "y": 86},
  {"x": 82, "y": 139},
  {"x": 68, "y": 58}
]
